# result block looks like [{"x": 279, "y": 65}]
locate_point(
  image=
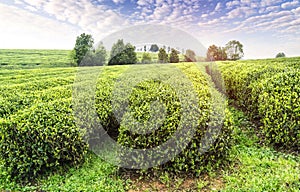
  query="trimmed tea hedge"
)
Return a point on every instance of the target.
[
  {"x": 39, "y": 139},
  {"x": 144, "y": 100},
  {"x": 280, "y": 108},
  {"x": 268, "y": 90},
  {"x": 38, "y": 131}
]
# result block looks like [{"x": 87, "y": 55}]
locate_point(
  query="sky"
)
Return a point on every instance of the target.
[{"x": 264, "y": 27}]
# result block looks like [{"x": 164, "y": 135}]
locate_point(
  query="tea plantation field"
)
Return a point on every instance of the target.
[{"x": 42, "y": 147}]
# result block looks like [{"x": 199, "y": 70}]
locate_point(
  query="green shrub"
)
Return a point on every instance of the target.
[
  {"x": 267, "y": 91},
  {"x": 279, "y": 107},
  {"x": 39, "y": 139},
  {"x": 144, "y": 100}
]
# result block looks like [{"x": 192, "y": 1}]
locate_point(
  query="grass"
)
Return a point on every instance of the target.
[
  {"x": 259, "y": 168},
  {"x": 94, "y": 175}
]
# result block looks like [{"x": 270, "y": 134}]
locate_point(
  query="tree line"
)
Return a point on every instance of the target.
[{"x": 85, "y": 53}]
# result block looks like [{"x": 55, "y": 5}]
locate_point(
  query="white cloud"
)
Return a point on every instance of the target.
[
  {"x": 204, "y": 15},
  {"x": 173, "y": 13},
  {"x": 218, "y": 6},
  {"x": 246, "y": 2},
  {"x": 36, "y": 31},
  {"x": 296, "y": 11},
  {"x": 97, "y": 20},
  {"x": 272, "y": 21},
  {"x": 231, "y": 4},
  {"x": 31, "y": 8},
  {"x": 35, "y": 3},
  {"x": 240, "y": 12},
  {"x": 144, "y": 2},
  {"x": 289, "y": 4},
  {"x": 266, "y": 3},
  {"x": 18, "y": 2},
  {"x": 118, "y": 1},
  {"x": 161, "y": 12},
  {"x": 272, "y": 8}
]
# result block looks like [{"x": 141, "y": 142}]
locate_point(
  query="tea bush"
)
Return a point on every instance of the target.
[
  {"x": 166, "y": 103},
  {"x": 268, "y": 90},
  {"x": 39, "y": 139},
  {"x": 280, "y": 109}
]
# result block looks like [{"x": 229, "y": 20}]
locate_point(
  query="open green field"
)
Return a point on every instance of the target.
[
  {"x": 19, "y": 58},
  {"x": 264, "y": 111}
]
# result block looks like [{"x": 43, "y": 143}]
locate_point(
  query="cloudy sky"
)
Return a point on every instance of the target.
[{"x": 264, "y": 27}]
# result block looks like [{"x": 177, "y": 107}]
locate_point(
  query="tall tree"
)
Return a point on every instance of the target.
[
  {"x": 154, "y": 48},
  {"x": 280, "y": 55},
  {"x": 162, "y": 56},
  {"x": 100, "y": 54},
  {"x": 190, "y": 56},
  {"x": 95, "y": 57},
  {"x": 222, "y": 55},
  {"x": 174, "y": 58},
  {"x": 212, "y": 53},
  {"x": 122, "y": 54},
  {"x": 84, "y": 44},
  {"x": 234, "y": 50}
]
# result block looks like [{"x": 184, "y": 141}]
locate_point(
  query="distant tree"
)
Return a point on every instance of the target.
[
  {"x": 84, "y": 44},
  {"x": 215, "y": 53},
  {"x": 95, "y": 57},
  {"x": 212, "y": 53},
  {"x": 130, "y": 53},
  {"x": 122, "y": 54},
  {"x": 162, "y": 56},
  {"x": 174, "y": 58},
  {"x": 234, "y": 50},
  {"x": 154, "y": 48},
  {"x": 190, "y": 56},
  {"x": 280, "y": 55},
  {"x": 100, "y": 54},
  {"x": 117, "y": 48},
  {"x": 145, "y": 48},
  {"x": 169, "y": 49},
  {"x": 221, "y": 55},
  {"x": 146, "y": 58}
]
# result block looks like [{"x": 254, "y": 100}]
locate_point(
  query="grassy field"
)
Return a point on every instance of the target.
[
  {"x": 17, "y": 58},
  {"x": 254, "y": 166}
]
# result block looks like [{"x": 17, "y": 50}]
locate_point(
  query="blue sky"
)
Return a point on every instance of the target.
[{"x": 264, "y": 27}]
